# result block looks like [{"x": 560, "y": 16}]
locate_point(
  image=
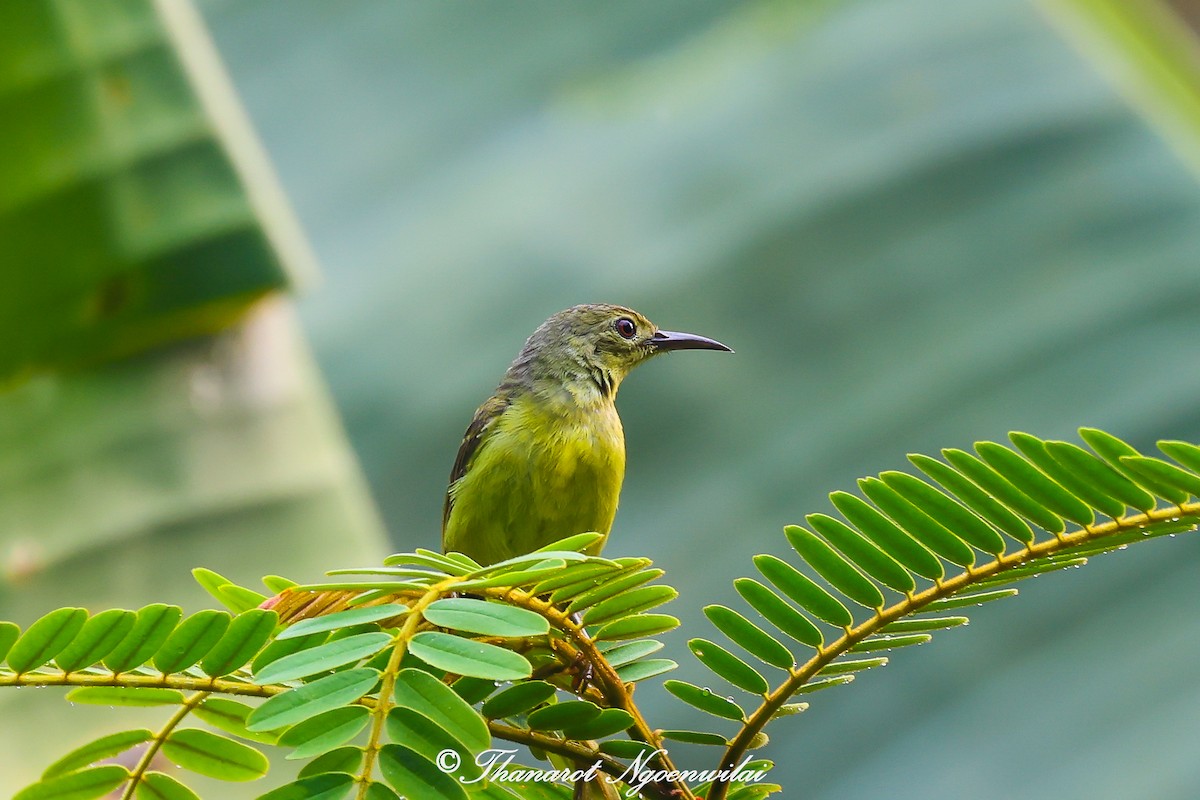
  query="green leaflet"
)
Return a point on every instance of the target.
[
  {"x": 612, "y": 588},
  {"x": 1035, "y": 484},
  {"x": 922, "y": 527},
  {"x": 325, "y": 731},
  {"x": 749, "y": 636},
  {"x": 463, "y": 656},
  {"x": 1037, "y": 451},
  {"x": 923, "y": 624},
  {"x": 323, "y": 658},
  {"x": 425, "y": 694},
  {"x": 728, "y": 666},
  {"x": 636, "y": 627},
  {"x": 517, "y": 699},
  {"x": 9, "y": 633},
  {"x": 473, "y": 690},
  {"x": 416, "y": 732},
  {"x": 646, "y": 668},
  {"x": 102, "y": 748},
  {"x": 626, "y": 603},
  {"x": 801, "y": 588},
  {"x": 832, "y": 567},
  {"x": 343, "y": 759},
  {"x": 778, "y": 612},
  {"x": 246, "y": 635},
  {"x": 971, "y": 599},
  {"x": 412, "y": 775},
  {"x": 958, "y": 519},
  {"x": 696, "y": 737},
  {"x": 606, "y": 723},
  {"x": 1112, "y": 449},
  {"x": 230, "y": 716},
  {"x": 1096, "y": 472},
  {"x": 327, "y": 786},
  {"x": 849, "y": 666},
  {"x": 125, "y": 696},
  {"x": 159, "y": 786},
  {"x": 625, "y": 652},
  {"x": 863, "y": 552},
  {"x": 888, "y": 536},
  {"x": 1164, "y": 474},
  {"x": 191, "y": 641},
  {"x": 343, "y": 619},
  {"x": 557, "y": 716},
  {"x": 488, "y": 619},
  {"x": 975, "y": 498},
  {"x": 705, "y": 700},
  {"x": 214, "y": 755},
  {"x": 235, "y": 598},
  {"x": 46, "y": 638},
  {"x": 305, "y": 702},
  {"x": 999, "y": 487},
  {"x": 153, "y": 625},
  {"x": 100, "y": 636},
  {"x": 85, "y": 784}
]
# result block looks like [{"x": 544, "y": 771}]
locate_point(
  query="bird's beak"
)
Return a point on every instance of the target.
[{"x": 663, "y": 341}]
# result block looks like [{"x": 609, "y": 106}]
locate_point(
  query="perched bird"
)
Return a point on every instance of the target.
[{"x": 544, "y": 457}]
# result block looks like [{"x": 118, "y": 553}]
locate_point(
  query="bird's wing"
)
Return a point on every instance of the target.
[{"x": 485, "y": 416}]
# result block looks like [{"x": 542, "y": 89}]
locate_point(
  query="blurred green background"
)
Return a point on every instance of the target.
[{"x": 919, "y": 224}]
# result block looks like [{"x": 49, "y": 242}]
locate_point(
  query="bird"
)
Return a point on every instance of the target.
[{"x": 544, "y": 456}]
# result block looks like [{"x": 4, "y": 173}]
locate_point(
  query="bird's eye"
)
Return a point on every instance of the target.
[{"x": 626, "y": 328}]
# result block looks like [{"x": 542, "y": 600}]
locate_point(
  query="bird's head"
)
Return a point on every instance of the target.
[{"x": 601, "y": 343}]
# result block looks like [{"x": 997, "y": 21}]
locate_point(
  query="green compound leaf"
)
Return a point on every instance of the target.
[
  {"x": 98, "y": 750},
  {"x": 132, "y": 696},
  {"x": 246, "y": 635},
  {"x": 636, "y": 627},
  {"x": 191, "y": 641},
  {"x": 705, "y": 700},
  {"x": 216, "y": 756},
  {"x": 159, "y": 786},
  {"x": 468, "y": 657},
  {"x": 323, "y": 658},
  {"x": 46, "y": 638},
  {"x": 324, "y": 731},
  {"x": 518, "y": 698},
  {"x": 100, "y": 636},
  {"x": 305, "y": 702},
  {"x": 413, "y": 775},
  {"x": 778, "y": 612},
  {"x": 975, "y": 498},
  {"x": 425, "y": 694},
  {"x": 327, "y": 786},
  {"x": 832, "y": 567},
  {"x": 416, "y": 732},
  {"x": 153, "y": 625},
  {"x": 888, "y": 536},
  {"x": 728, "y": 666},
  {"x": 803, "y": 590},
  {"x": 489, "y": 619},
  {"x": 230, "y": 716},
  {"x": 343, "y": 619},
  {"x": 862, "y": 552},
  {"x": 86, "y": 784}
]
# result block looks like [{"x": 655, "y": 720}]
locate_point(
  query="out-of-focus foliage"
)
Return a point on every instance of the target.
[
  {"x": 917, "y": 222},
  {"x": 157, "y": 409}
]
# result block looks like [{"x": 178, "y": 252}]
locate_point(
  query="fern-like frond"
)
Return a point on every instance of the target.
[{"x": 915, "y": 547}]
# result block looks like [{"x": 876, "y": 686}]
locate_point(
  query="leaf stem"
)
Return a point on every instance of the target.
[{"x": 158, "y": 741}]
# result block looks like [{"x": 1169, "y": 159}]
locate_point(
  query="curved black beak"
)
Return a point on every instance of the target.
[{"x": 664, "y": 341}]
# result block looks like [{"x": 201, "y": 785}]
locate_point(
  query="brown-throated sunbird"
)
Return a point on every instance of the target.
[{"x": 544, "y": 457}]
